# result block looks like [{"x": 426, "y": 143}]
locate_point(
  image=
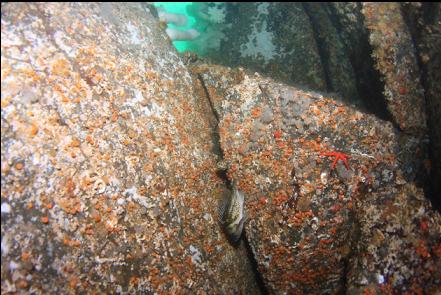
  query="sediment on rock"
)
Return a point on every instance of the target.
[{"x": 109, "y": 177}]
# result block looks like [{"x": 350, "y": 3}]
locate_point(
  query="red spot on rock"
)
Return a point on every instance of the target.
[
  {"x": 421, "y": 249},
  {"x": 335, "y": 208},
  {"x": 277, "y": 134},
  {"x": 402, "y": 90},
  {"x": 424, "y": 226}
]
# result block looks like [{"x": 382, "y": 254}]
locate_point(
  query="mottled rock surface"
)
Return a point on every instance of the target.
[
  {"x": 272, "y": 38},
  {"x": 424, "y": 21},
  {"x": 111, "y": 151},
  {"x": 396, "y": 59},
  {"x": 384, "y": 58},
  {"x": 315, "y": 224},
  {"x": 320, "y": 46},
  {"x": 399, "y": 248},
  {"x": 108, "y": 182}
]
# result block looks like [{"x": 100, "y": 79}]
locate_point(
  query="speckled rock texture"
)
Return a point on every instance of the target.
[
  {"x": 339, "y": 71},
  {"x": 319, "y": 224},
  {"x": 108, "y": 177},
  {"x": 111, "y": 151},
  {"x": 424, "y": 21},
  {"x": 383, "y": 58},
  {"x": 272, "y": 38},
  {"x": 319, "y": 46},
  {"x": 394, "y": 52}
]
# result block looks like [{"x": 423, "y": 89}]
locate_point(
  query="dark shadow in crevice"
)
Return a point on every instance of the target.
[
  {"x": 321, "y": 46},
  {"x": 368, "y": 78},
  {"x": 223, "y": 175},
  {"x": 252, "y": 259},
  {"x": 215, "y": 137},
  {"x": 418, "y": 19}
]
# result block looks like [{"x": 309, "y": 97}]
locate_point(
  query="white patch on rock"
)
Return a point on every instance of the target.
[
  {"x": 60, "y": 38},
  {"x": 5, "y": 246},
  {"x": 132, "y": 193},
  {"x": 324, "y": 178},
  {"x": 207, "y": 216},
  {"x": 147, "y": 179},
  {"x": 138, "y": 96},
  {"x": 6, "y": 208},
  {"x": 153, "y": 110},
  {"x": 380, "y": 278},
  {"x": 195, "y": 255},
  {"x": 13, "y": 265},
  {"x": 10, "y": 38},
  {"x": 134, "y": 34}
]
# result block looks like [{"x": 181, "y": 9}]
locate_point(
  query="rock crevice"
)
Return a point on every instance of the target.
[{"x": 223, "y": 171}]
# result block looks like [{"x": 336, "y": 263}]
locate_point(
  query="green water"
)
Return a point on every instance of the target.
[
  {"x": 208, "y": 18},
  {"x": 179, "y": 7}
]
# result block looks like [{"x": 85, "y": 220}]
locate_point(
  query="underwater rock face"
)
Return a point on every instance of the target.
[
  {"x": 425, "y": 21},
  {"x": 329, "y": 204},
  {"x": 395, "y": 57},
  {"x": 110, "y": 152},
  {"x": 337, "y": 65},
  {"x": 108, "y": 176},
  {"x": 383, "y": 58},
  {"x": 313, "y": 45},
  {"x": 356, "y": 50},
  {"x": 273, "y": 38}
]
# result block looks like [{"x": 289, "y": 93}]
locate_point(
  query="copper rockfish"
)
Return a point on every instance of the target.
[{"x": 232, "y": 214}]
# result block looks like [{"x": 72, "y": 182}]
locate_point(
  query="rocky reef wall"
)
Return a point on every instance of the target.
[
  {"x": 382, "y": 58},
  {"x": 109, "y": 181},
  {"x": 116, "y": 151}
]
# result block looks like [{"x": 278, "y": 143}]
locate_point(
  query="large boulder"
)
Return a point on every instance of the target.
[
  {"x": 109, "y": 182},
  {"x": 318, "y": 46},
  {"x": 383, "y": 58},
  {"x": 273, "y": 38},
  {"x": 114, "y": 156},
  {"x": 424, "y": 23},
  {"x": 318, "y": 223},
  {"x": 395, "y": 57}
]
